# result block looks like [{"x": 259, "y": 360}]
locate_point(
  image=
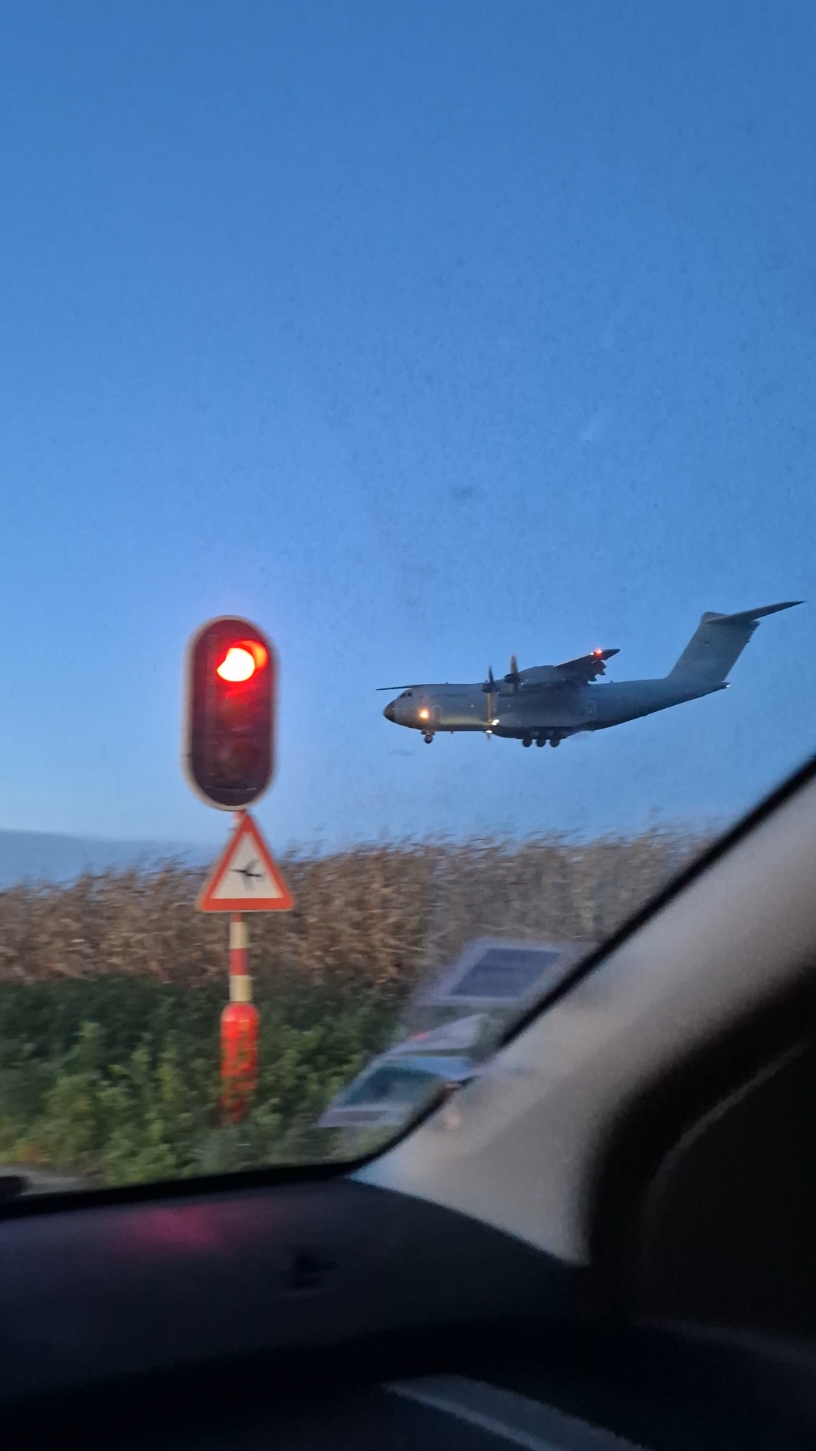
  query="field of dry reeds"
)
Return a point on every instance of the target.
[
  {"x": 111, "y": 988},
  {"x": 368, "y": 916}
]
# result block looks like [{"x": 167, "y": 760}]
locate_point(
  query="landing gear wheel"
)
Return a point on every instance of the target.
[
  {"x": 527, "y": 740},
  {"x": 541, "y": 740},
  {"x": 555, "y": 741},
  {"x": 428, "y": 737}
]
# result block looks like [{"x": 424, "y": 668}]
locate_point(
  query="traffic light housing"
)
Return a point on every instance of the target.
[{"x": 229, "y": 746}]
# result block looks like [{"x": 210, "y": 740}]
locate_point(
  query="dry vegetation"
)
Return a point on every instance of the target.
[
  {"x": 111, "y": 989},
  {"x": 368, "y": 916}
]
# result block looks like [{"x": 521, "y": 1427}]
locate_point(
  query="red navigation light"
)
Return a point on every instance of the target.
[
  {"x": 598, "y": 653},
  {"x": 230, "y": 713}
]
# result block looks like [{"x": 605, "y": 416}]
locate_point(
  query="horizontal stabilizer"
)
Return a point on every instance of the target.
[
  {"x": 718, "y": 642},
  {"x": 745, "y": 617}
]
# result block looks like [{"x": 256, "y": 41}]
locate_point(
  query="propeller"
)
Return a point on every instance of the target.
[
  {"x": 513, "y": 678},
  {"x": 489, "y": 687}
]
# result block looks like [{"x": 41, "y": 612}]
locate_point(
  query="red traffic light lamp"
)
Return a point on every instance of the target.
[
  {"x": 242, "y": 661},
  {"x": 229, "y": 735}
]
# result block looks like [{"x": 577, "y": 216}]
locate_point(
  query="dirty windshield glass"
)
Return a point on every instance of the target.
[{"x": 407, "y": 464}]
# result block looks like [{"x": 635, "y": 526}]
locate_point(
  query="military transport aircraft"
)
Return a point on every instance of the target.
[{"x": 550, "y": 702}]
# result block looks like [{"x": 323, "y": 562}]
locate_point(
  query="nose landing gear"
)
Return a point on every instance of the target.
[{"x": 428, "y": 737}]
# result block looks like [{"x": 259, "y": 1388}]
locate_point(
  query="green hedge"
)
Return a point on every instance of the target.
[{"x": 117, "y": 1079}]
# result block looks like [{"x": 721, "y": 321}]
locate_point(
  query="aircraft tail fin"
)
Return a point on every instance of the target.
[{"x": 717, "y": 643}]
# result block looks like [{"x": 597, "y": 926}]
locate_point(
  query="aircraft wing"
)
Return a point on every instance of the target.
[
  {"x": 570, "y": 672},
  {"x": 586, "y": 667}
]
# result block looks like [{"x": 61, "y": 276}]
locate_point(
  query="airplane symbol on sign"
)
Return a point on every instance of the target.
[{"x": 248, "y": 874}]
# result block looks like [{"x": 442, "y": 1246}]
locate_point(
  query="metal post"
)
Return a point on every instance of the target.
[
  {"x": 239, "y": 1030},
  {"x": 240, "y": 981}
]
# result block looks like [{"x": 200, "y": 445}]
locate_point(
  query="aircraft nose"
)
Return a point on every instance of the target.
[{"x": 389, "y": 711}]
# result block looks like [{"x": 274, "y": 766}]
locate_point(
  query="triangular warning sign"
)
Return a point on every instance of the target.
[{"x": 246, "y": 878}]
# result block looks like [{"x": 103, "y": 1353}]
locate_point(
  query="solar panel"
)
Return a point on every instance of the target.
[
  {"x": 503, "y": 972},
  {"x": 492, "y": 972}
]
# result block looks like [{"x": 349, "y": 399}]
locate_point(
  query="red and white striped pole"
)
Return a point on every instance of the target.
[
  {"x": 239, "y": 1029},
  {"x": 240, "y": 982}
]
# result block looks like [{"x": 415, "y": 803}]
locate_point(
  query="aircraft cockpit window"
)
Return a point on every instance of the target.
[{"x": 468, "y": 342}]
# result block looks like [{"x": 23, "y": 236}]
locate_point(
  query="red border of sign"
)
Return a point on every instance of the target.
[{"x": 246, "y": 827}]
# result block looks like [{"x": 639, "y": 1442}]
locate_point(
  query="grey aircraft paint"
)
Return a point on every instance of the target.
[{"x": 550, "y": 702}]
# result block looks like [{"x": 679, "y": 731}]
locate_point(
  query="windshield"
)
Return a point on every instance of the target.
[{"x": 409, "y": 411}]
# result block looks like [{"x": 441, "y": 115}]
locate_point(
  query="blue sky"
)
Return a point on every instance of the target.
[{"x": 420, "y": 333}]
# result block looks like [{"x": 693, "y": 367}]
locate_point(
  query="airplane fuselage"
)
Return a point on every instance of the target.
[
  {"x": 548, "y": 714},
  {"x": 549, "y": 702}
]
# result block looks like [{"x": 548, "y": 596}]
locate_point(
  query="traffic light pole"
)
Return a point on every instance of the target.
[
  {"x": 239, "y": 1030},
  {"x": 240, "y": 981},
  {"x": 229, "y": 760}
]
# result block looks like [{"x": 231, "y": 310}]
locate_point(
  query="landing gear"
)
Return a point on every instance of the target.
[
  {"x": 527, "y": 740},
  {"x": 555, "y": 741},
  {"x": 428, "y": 737},
  {"x": 541, "y": 740}
]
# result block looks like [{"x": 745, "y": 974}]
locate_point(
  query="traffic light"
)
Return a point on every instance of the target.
[{"x": 230, "y": 713}]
